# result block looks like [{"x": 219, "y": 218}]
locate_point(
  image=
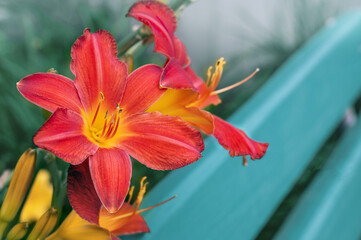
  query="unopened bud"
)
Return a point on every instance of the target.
[
  {"x": 19, "y": 185},
  {"x": 18, "y": 231},
  {"x": 44, "y": 225}
]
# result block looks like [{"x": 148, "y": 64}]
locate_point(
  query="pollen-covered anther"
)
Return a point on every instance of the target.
[{"x": 214, "y": 78}]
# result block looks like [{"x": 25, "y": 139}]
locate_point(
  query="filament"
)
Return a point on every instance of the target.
[{"x": 236, "y": 84}]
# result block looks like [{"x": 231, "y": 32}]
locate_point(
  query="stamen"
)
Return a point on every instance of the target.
[
  {"x": 130, "y": 194},
  {"x": 143, "y": 210},
  {"x": 98, "y": 107},
  {"x": 139, "y": 200},
  {"x": 148, "y": 208},
  {"x": 235, "y": 85},
  {"x": 116, "y": 125},
  {"x": 142, "y": 189},
  {"x": 209, "y": 73},
  {"x": 110, "y": 128},
  {"x": 213, "y": 79}
]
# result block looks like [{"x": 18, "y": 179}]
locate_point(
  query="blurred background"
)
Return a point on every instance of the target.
[{"x": 37, "y": 35}]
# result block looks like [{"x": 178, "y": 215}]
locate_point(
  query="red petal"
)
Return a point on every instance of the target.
[
  {"x": 50, "y": 91},
  {"x": 142, "y": 89},
  {"x": 161, "y": 142},
  {"x": 111, "y": 170},
  {"x": 236, "y": 141},
  {"x": 200, "y": 119},
  {"x": 210, "y": 100},
  {"x": 97, "y": 69},
  {"x": 136, "y": 224},
  {"x": 63, "y": 135},
  {"x": 81, "y": 192},
  {"x": 180, "y": 52},
  {"x": 161, "y": 19},
  {"x": 197, "y": 82},
  {"x": 174, "y": 76}
]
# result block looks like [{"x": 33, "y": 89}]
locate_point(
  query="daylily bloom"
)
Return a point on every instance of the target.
[
  {"x": 127, "y": 220},
  {"x": 100, "y": 117},
  {"x": 188, "y": 94},
  {"x": 39, "y": 198}
]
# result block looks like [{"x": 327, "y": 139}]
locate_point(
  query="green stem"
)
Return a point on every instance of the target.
[{"x": 55, "y": 175}]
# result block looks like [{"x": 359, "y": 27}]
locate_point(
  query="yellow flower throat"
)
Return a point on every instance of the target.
[{"x": 103, "y": 126}]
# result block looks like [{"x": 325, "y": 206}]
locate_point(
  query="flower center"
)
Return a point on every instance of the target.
[{"x": 103, "y": 125}]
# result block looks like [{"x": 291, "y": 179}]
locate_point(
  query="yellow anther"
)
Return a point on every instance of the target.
[
  {"x": 101, "y": 96},
  {"x": 220, "y": 62}
]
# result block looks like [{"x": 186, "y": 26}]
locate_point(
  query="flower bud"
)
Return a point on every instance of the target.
[
  {"x": 19, "y": 185},
  {"x": 18, "y": 231},
  {"x": 44, "y": 225}
]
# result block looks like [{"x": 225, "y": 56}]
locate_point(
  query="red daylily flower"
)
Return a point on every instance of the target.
[
  {"x": 127, "y": 220},
  {"x": 188, "y": 94},
  {"x": 100, "y": 117}
]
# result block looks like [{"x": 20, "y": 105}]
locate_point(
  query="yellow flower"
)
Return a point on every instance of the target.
[
  {"x": 76, "y": 228},
  {"x": 39, "y": 198}
]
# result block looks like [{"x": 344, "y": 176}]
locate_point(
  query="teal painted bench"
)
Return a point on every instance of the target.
[{"x": 295, "y": 112}]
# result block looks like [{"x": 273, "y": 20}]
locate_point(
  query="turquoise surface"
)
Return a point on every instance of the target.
[{"x": 331, "y": 206}]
